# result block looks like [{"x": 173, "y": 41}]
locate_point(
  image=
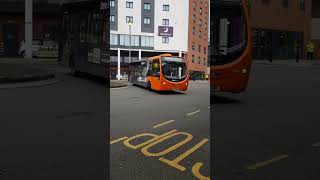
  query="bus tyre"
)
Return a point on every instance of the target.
[{"x": 149, "y": 85}]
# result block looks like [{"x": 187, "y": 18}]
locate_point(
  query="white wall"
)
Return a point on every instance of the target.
[{"x": 178, "y": 16}]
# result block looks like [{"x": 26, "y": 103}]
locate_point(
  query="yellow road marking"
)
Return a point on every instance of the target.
[
  {"x": 175, "y": 163},
  {"x": 154, "y": 138},
  {"x": 145, "y": 149},
  {"x": 196, "y": 171},
  {"x": 117, "y": 140},
  {"x": 164, "y": 123},
  {"x": 193, "y": 113},
  {"x": 265, "y": 163}
]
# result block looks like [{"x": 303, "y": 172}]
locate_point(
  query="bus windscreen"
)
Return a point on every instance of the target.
[{"x": 173, "y": 68}]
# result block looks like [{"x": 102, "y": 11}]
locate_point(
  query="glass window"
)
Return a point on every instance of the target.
[
  {"x": 166, "y": 7},
  {"x": 112, "y": 3},
  {"x": 194, "y": 31},
  {"x": 146, "y": 20},
  {"x": 285, "y": 3},
  {"x": 83, "y": 29},
  {"x": 147, "y": 41},
  {"x": 147, "y": 6},
  {"x": 229, "y": 37},
  {"x": 199, "y": 48},
  {"x": 114, "y": 39},
  {"x": 192, "y": 59},
  {"x": 199, "y": 60},
  {"x": 302, "y": 4},
  {"x": 165, "y": 22},
  {"x": 200, "y": 22},
  {"x": 204, "y": 61},
  {"x": 204, "y": 50},
  {"x": 129, "y": 4},
  {"x": 96, "y": 28},
  {"x": 194, "y": 18},
  {"x": 193, "y": 46},
  {"x": 112, "y": 18},
  {"x": 194, "y": 6},
  {"x": 129, "y": 19},
  {"x": 200, "y": 10},
  {"x": 165, "y": 40},
  {"x": 200, "y": 34}
]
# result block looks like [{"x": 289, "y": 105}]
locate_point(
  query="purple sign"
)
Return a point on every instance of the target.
[{"x": 165, "y": 31}]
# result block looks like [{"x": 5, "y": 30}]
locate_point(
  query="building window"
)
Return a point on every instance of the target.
[
  {"x": 165, "y": 22},
  {"x": 206, "y": 4},
  {"x": 146, "y": 20},
  {"x": 205, "y": 25},
  {"x": 199, "y": 49},
  {"x": 204, "y": 50},
  {"x": 146, "y": 41},
  {"x": 199, "y": 60},
  {"x": 129, "y": 4},
  {"x": 192, "y": 59},
  {"x": 166, "y": 7},
  {"x": 129, "y": 19},
  {"x": 204, "y": 61},
  {"x": 200, "y": 22},
  {"x": 194, "y": 18},
  {"x": 201, "y": 1},
  {"x": 200, "y": 10},
  {"x": 302, "y": 4},
  {"x": 112, "y": 18},
  {"x": 165, "y": 40},
  {"x": 113, "y": 39},
  {"x": 194, "y": 6},
  {"x": 200, "y": 34},
  {"x": 193, "y": 46},
  {"x": 125, "y": 40},
  {"x": 194, "y": 31},
  {"x": 147, "y": 6},
  {"x": 285, "y": 3},
  {"x": 112, "y": 3}
]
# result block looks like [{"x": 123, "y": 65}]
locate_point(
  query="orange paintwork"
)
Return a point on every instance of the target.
[
  {"x": 231, "y": 77},
  {"x": 161, "y": 84}
]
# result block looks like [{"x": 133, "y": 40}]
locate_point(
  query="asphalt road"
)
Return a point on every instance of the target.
[
  {"x": 56, "y": 131},
  {"x": 272, "y": 131},
  {"x": 139, "y": 115}
]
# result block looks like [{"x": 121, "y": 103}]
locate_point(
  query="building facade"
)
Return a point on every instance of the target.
[
  {"x": 315, "y": 27},
  {"x": 45, "y": 23},
  {"x": 144, "y": 28},
  {"x": 279, "y": 27}
]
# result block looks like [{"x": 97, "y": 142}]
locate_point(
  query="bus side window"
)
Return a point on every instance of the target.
[{"x": 155, "y": 68}]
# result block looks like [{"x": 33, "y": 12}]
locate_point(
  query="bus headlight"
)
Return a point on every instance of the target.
[
  {"x": 244, "y": 71},
  {"x": 164, "y": 83},
  {"x": 186, "y": 84}
]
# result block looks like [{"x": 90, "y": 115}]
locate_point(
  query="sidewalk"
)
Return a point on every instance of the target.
[
  {"x": 17, "y": 70},
  {"x": 118, "y": 83}
]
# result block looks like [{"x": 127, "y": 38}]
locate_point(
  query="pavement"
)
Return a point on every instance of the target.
[
  {"x": 118, "y": 83},
  {"x": 270, "y": 131},
  {"x": 17, "y": 70}
]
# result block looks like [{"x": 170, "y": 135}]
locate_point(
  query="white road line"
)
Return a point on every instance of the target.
[{"x": 195, "y": 112}]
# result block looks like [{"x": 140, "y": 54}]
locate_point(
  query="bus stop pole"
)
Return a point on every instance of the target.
[
  {"x": 28, "y": 28},
  {"x": 119, "y": 57}
]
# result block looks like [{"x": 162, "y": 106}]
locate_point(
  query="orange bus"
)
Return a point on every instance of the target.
[
  {"x": 162, "y": 73},
  {"x": 230, "y": 45}
]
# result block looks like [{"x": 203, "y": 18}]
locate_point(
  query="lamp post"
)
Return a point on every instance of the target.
[
  {"x": 130, "y": 24},
  {"x": 28, "y": 28}
]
